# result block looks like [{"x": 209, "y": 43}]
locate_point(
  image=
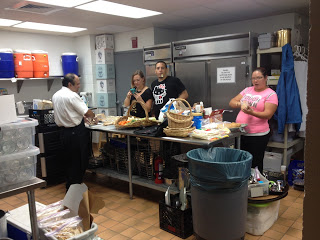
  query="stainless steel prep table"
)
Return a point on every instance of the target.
[
  {"x": 29, "y": 187},
  {"x": 129, "y": 132}
]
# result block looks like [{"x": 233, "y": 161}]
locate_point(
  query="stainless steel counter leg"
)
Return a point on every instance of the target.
[
  {"x": 33, "y": 215},
  {"x": 129, "y": 166},
  {"x": 238, "y": 142}
]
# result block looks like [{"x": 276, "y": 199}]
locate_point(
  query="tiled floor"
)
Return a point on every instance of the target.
[{"x": 122, "y": 218}]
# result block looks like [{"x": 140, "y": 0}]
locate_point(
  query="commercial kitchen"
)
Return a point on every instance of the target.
[{"x": 213, "y": 48}]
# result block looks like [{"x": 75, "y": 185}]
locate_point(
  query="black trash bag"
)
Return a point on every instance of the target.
[
  {"x": 152, "y": 131},
  {"x": 219, "y": 169}
]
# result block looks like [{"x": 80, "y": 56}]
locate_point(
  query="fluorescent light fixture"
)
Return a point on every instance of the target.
[
  {"x": 62, "y": 3},
  {"x": 49, "y": 27},
  {"x": 8, "y": 22},
  {"x": 117, "y": 9}
]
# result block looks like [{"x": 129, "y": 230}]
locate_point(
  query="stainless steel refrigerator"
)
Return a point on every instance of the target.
[
  {"x": 153, "y": 54},
  {"x": 213, "y": 69}
]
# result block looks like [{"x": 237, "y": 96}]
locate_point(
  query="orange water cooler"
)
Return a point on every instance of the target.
[
  {"x": 23, "y": 67},
  {"x": 40, "y": 64}
]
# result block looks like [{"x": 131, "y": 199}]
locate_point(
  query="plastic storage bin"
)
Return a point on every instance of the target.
[
  {"x": 258, "y": 189},
  {"x": 260, "y": 217},
  {"x": 17, "y": 136},
  {"x": 18, "y": 167},
  {"x": 87, "y": 235}
]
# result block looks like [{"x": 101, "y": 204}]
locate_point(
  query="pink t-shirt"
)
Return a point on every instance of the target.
[{"x": 256, "y": 100}]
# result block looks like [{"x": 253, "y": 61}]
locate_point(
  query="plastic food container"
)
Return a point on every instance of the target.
[
  {"x": 18, "y": 167},
  {"x": 17, "y": 136},
  {"x": 259, "y": 189}
]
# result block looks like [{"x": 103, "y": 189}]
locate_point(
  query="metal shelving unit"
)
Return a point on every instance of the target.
[
  {"x": 296, "y": 144},
  {"x": 19, "y": 81}
]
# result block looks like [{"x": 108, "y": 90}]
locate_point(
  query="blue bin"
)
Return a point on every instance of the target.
[
  {"x": 6, "y": 63},
  {"x": 69, "y": 63}
]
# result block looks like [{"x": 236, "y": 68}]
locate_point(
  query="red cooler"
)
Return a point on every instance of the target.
[
  {"x": 23, "y": 67},
  {"x": 40, "y": 64}
]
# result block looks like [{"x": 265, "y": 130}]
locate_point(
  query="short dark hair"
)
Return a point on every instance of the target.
[
  {"x": 165, "y": 64},
  {"x": 262, "y": 70},
  {"x": 69, "y": 78}
]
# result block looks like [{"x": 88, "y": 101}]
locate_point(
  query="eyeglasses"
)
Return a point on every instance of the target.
[{"x": 257, "y": 78}]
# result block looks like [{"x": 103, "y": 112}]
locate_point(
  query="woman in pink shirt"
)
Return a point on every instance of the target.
[{"x": 258, "y": 104}]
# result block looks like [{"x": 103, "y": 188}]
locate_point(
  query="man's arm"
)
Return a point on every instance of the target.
[
  {"x": 89, "y": 114},
  {"x": 184, "y": 94}
]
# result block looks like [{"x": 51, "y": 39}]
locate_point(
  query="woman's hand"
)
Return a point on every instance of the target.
[
  {"x": 138, "y": 97},
  {"x": 129, "y": 94}
]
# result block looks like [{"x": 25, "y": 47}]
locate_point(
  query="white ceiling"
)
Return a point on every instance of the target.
[{"x": 177, "y": 14}]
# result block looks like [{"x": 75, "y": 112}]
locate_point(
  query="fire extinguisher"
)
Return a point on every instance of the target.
[{"x": 158, "y": 169}]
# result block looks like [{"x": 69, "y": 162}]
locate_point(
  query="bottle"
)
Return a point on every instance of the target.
[{"x": 283, "y": 171}]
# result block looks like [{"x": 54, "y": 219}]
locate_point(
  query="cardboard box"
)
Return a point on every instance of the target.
[
  {"x": 108, "y": 111},
  {"x": 105, "y": 71},
  {"x": 104, "y": 86},
  {"x": 104, "y": 56},
  {"x": 104, "y": 41},
  {"x": 7, "y": 109},
  {"x": 106, "y": 100}
]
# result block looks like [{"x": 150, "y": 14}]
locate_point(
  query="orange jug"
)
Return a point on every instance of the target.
[
  {"x": 40, "y": 64},
  {"x": 23, "y": 67}
]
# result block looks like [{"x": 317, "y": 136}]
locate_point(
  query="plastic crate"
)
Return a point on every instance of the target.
[
  {"x": 45, "y": 119},
  {"x": 18, "y": 167},
  {"x": 17, "y": 136},
  {"x": 144, "y": 156},
  {"x": 258, "y": 189},
  {"x": 176, "y": 221}
]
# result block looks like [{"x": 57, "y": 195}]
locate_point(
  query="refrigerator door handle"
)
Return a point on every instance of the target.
[{"x": 247, "y": 70}]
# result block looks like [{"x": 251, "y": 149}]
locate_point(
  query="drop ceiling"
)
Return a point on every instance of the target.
[{"x": 177, "y": 14}]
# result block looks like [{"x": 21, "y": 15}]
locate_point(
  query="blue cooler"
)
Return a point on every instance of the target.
[
  {"x": 6, "y": 63},
  {"x": 69, "y": 63}
]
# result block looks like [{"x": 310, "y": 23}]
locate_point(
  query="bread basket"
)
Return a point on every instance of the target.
[{"x": 139, "y": 123}]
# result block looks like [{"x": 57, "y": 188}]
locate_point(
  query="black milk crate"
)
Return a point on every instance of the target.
[
  {"x": 116, "y": 156},
  {"x": 108, "y": 154},
  {"x": 176, "y": 221},
  {"x": 45, "y": 119},
  {"x": 145, "y": 153}
]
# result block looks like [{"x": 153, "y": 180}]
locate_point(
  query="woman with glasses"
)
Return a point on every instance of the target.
[
  {"x": 139, "y": 92},
  {"x": 258, "y": 103}
]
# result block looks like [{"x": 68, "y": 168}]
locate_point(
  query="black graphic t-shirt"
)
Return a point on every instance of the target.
[
  {"x": 138, "y": 110},
  {"x": 171, "y": 87}
]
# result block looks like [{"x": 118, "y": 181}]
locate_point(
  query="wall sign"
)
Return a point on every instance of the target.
[{"x": 226, "y": 75}]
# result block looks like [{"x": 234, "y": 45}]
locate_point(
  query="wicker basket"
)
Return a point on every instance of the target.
[
  {"x": 178, "y": 132},
  {"x": 141, "y": 123},
  {"x": 177, "y": 120}
]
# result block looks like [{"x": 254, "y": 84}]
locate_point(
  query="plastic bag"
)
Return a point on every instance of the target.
[
  {"x": 54, "y": 217},
  {"x": 219, "y": 169},
  {"x": 49, "y": 210},
  {"x": 69, "y": 228}
]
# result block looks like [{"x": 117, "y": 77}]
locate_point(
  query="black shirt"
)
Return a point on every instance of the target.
[
  {"x": 138, "y": 110},
  {"x": 171, "y": 87}
]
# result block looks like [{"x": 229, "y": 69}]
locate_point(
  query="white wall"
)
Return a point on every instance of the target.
[
  {"x": 85, "y": 46},
  {"x": 123, "y": 40}
]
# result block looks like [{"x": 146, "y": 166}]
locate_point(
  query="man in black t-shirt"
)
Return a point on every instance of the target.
[{"x": 165, "y": 87}]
